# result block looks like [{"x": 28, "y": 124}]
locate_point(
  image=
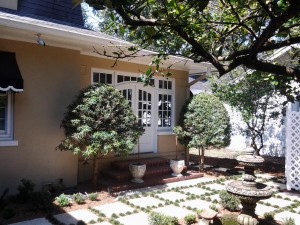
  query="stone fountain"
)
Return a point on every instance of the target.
[{"x": 249, "y": 191}]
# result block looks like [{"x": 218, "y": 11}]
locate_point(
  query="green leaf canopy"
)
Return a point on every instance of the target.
[
  {"x": 203, "y": 122},
  {"x": 98, "y": 122}
]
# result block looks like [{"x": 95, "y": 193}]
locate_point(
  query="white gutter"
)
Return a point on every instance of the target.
[{"x": 86, "y": 37}]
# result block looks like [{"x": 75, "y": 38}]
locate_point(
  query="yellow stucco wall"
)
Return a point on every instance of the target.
[{"x": 51, "y": 79}]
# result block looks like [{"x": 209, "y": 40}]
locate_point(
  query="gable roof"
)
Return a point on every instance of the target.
[{"x": 58, "y": 11}]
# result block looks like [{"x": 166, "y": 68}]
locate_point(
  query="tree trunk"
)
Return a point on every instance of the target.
[
  {"x": 187, "y": 156},
  {"x": 201, "y": 166},
  {"x": 95, "y": 170},
  {"x": 199, "y": 159}
]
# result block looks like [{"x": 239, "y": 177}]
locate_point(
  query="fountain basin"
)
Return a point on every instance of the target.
[{"x": 259, "y": 190}]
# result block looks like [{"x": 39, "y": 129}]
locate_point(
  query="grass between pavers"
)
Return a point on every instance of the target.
[
  {"x": 189, "y": 191},
  {"x": 165, "y": 201}
]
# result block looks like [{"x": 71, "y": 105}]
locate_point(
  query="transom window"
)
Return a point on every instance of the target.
[
  {"x": 122, "y": 78},
  {"x": 165, "y": 84},
  {"x": 102, "y": 78}
]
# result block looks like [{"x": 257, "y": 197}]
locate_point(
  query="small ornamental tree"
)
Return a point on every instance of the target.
[
  {"x": 256, "y": 99},
  {"x": 98, "y": 122},
  {"x": 203, "y": 122}
]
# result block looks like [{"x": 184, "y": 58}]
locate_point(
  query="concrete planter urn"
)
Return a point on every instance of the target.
[
  {"x": 137, "y": 172},
  {"x": 177, "y": 166}
]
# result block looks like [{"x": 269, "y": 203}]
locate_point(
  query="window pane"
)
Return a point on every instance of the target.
[
  {"x": 102, "y": 78},
  {"x": 129, "y": 94},
  {"x": 127, "y": 78},
  {"x": 152, "y": 82},
  {"x": 96, "y": 77},
  {"x": 2, "y": 124},
  {"x": 3, "y": 110},
  {"x": 160, "y": 85},
  {"x": 140, "y": 122},
  {"x": 133, "y": 78},
  {"x": 165, "y": 85},
  {"x": 148, "y": 119},
  {"x": 109, "y": 78},
  {"x": 140, "y": 95},
  {"x": 125, "y": 94},
  {"x": 170, "y": 85},
  {"x": 120, "y": 78}
]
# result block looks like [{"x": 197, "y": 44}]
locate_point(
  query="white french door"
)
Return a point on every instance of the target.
[{"x": 141, "y": 99}]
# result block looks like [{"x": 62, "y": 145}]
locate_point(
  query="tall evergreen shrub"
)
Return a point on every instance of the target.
[
  {"x": 99, "y": 122},
  {"x": 203, "y": 122}
]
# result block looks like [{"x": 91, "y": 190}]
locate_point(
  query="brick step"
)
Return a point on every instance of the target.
[
  {"x": 124, "y": 164},
  {"x": 125, "y": 175}
]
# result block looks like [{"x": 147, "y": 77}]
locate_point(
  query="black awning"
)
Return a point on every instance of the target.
[{"x": 10, "y": 76}]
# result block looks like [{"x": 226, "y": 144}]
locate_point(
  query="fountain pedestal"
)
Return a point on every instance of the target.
[{"x": 249, "y": 191}]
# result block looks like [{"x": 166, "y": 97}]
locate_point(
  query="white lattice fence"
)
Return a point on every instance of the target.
[{"x": 292, "y": 167}]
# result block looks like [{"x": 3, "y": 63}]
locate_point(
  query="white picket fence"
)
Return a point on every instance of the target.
[{"x": 292, "y": 157}]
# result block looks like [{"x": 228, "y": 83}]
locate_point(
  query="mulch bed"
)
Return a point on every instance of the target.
[{"x": 272, "y": 165}]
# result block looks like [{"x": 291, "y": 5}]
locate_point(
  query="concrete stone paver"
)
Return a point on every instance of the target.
[
  {"x": 196, "y": 191},
  {"x": 137, "y": 218},
  {"x": 72, "y": 217},
  {"x": 39, "y": 221},
  {"x": 260, "y": 209},
  {"x": 172, "y": 210},
  {"x": 218, "y": 187},
  {"x": 146, "y": 201},
  {"x": 172, "y": 196},
  {"x": 277, "y": 202},
  {"x": 116, "y": 207},
  {"x": 196, "y": 203},
  {"x": 292, "y": 196},
  {"x": 215, "y": 197},
  {"x": 285, "y": 215},
  {"x": 190, "y": 182}
]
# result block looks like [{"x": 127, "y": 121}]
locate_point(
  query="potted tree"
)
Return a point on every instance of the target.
[
  {"x": 203, "y": 122},
  {"x": 99, "y": 122},
  {"x": 138, "y": 169},
  {"x": 177, "y": 165}
]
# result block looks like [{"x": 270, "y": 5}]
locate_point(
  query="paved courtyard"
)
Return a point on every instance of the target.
[{"x": 175, "y": 199}]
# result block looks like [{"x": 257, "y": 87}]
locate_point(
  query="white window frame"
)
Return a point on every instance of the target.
[
  {"x": 166, "y": 130},
  {"x": 115, "y": 73},
  {"x": 95, "y": 70},
  {"x": 6, "y": 136}
]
